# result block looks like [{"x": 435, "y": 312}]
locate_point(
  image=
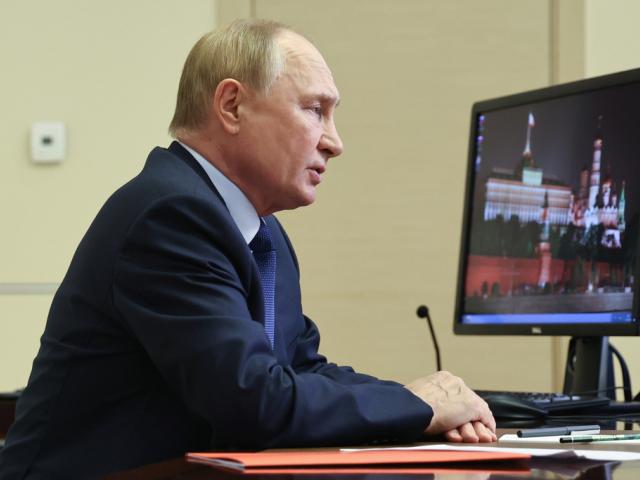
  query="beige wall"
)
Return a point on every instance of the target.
[
  {"x": 384, "y": 234},
  {"x": 612, "y": 42},
  {"x": 109, "y": 70}
]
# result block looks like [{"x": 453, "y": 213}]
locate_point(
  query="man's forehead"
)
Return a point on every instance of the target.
[
  {"x": 318, "y": 84},
  {"x": 302, "y": 59},
  {"x": 294, "y": 43}
]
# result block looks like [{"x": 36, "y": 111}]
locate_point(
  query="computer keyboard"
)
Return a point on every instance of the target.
[{"x": 531, "y": 405}]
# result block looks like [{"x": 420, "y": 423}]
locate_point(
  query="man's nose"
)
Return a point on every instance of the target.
[{"x": 331, "y": 141}]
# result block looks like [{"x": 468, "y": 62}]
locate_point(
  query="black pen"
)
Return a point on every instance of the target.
[
  {"x": 599, "y": 438},
  {"x": 556, "y": 431}
]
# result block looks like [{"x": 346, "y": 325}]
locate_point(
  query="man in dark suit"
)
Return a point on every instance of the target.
[{"x": 179, "y": 324}]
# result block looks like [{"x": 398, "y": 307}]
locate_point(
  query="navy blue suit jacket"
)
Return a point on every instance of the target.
[{"x": 154, "y": 345}]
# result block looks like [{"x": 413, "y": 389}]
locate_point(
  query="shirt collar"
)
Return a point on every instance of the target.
[{"x": 242, "y": 211}]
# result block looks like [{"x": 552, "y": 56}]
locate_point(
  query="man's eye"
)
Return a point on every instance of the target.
[{"x": 317, "y": 110}]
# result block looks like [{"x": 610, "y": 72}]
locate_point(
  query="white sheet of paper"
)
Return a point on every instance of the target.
[
  {"x": 602, "y": 455},
  {"x": 512, "y": 437}
]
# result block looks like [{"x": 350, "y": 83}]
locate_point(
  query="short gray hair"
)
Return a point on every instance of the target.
[{"x": 245, "y": 50}]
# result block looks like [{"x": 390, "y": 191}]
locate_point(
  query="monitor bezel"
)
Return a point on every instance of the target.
[{"x": 570, "y": 329}]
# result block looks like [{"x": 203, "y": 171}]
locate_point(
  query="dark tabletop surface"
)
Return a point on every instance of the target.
[{"x": 539, "y": 468}]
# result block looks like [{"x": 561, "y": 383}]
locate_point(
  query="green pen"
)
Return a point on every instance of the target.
[{"x": 599, "y": 438}]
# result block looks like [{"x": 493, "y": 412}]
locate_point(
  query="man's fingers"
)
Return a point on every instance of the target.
[
  {"x": 486, "y": 417},
  {"x": 484, "y": 433},
  {"x": 453, "y": 436},
  {"x": 472, "y": 432},
  {"x": 468, "y": 433}
]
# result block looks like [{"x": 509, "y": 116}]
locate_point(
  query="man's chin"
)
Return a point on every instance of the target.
[{"x": 307, "y": 198}]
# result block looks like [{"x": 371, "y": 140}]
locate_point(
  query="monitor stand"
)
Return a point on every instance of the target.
[{"x": 589, "y": 368}]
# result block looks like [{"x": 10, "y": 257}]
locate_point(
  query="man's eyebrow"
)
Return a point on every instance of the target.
[{"x": 327, "y": 98}]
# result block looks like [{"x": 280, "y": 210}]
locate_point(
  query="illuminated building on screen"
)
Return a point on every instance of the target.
[{"x": 528, "y": 195}]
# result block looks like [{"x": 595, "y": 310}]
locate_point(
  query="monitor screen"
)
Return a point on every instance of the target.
[{"x": 550, "y": 230}]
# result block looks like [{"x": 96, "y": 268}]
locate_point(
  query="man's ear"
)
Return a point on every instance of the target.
[{"x": 226, "y": 99}]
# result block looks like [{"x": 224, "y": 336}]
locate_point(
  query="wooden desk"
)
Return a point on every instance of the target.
[{"x": 539, "y": 468}]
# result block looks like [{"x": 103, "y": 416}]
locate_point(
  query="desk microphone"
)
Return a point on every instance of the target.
[{"x": 423, "y": 312}]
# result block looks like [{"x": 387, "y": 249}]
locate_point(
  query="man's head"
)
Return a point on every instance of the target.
[
  {"x": 245, "y": 50},
  {"x": 257, "y": 100}
]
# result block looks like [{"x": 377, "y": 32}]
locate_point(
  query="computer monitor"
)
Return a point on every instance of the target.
[{"x": 550, "y": 227}]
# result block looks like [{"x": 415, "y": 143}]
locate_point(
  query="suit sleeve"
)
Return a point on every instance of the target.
[
  {"x": 177, "y": 288},
  {"x": 308, "y": 360}
]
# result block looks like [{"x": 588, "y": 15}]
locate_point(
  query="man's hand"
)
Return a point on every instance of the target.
[{"x": 458, "y": 413}]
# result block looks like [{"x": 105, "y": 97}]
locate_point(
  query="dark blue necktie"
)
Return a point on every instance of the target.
[{"x": 265, "y": 256}]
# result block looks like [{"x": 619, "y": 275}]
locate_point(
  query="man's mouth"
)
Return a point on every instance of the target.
[
  {"x": 316, "y": 172},
  {"x": 315, "y": 177}
]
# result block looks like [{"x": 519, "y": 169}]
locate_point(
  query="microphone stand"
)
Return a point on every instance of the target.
[{"x": 423, "y": 312}]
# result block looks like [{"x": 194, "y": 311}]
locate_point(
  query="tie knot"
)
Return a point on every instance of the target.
[{"x": 262, "y": 241}]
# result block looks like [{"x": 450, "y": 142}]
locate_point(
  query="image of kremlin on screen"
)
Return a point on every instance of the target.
[{"x": 552, "y": 234}]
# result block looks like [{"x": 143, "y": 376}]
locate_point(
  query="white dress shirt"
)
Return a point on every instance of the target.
[{"x": 240, "y": 208}]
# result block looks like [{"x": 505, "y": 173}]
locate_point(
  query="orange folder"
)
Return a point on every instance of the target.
[{"x": 370, "y": 461}]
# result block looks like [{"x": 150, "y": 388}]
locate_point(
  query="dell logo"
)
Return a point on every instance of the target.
[{"x": 535, "y": 330}]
